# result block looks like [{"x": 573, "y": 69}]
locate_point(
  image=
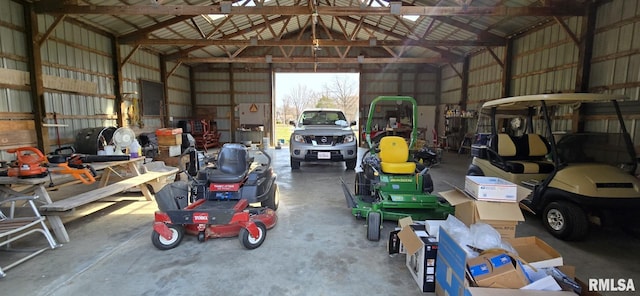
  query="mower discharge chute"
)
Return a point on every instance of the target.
[{"x": 388, "y": 186}]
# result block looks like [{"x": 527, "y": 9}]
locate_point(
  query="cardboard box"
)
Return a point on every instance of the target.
[
  {"x": 490, "y": 189},
  {"x": 170, "y": 140},
  {"x": 171, "y": 151},
  {"x": 503, "y": 216},
  {"x": 422, "y": 251},
  {"x": 536, "y": 252},
  {"x": 168, "y": 131},
  {"x": 451, "y": 279},
  {"x": 497, "y": 270}
]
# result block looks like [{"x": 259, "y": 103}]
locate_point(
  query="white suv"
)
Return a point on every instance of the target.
[{"x": 323, "y": 135}]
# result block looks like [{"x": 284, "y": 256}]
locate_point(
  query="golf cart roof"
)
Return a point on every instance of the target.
[{"x": 523, "y": 102}]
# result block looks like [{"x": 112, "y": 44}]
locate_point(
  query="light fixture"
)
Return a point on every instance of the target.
[{"x": 269, "y": 59}]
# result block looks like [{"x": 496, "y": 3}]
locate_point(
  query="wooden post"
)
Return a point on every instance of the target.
[{"x": 35, "y": 77}]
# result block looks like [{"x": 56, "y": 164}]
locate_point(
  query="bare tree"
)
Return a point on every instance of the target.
[
  {"x": 344, "y": 91},
  {"x": 299, "y": 98}
]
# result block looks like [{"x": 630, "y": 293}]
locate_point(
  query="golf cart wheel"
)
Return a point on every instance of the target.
[
  {"x": 373, "y": 226},
  {"x": 273, "y": 199},
  {"x": 295, "y": 164},
  {"x": 565, "y": 220},
  {"x": 177, "y": 233},
  {"x": 250, "y": 242},
  {"x": 351, "y": 164}
]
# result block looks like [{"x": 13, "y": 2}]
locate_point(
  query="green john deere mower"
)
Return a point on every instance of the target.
[{"x": 388, "y": 186}]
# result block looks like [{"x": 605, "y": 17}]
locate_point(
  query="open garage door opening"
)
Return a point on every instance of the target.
[{"x": 295, "y": 92}]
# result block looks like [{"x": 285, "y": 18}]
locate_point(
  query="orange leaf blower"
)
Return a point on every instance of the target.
[{"x": 29, "y": 163}]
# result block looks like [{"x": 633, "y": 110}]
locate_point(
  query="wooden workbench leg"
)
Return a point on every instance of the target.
[
  {"x": 55, "y": 221},
  {"x": 105, "y": 177},
  {"x": 133, "y": 166}
]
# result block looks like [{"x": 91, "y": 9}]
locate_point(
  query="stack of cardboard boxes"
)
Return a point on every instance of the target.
[
  {"x": 170, "y": 146},
  {"x": 495, "y": 202}
]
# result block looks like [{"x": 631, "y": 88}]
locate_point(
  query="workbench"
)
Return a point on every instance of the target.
[{"x": 12, "y": 186}]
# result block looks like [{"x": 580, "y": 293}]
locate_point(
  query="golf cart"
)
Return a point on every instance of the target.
[
  {"x": 388, "y": 186},
  {"x": 576, "y": 177}
]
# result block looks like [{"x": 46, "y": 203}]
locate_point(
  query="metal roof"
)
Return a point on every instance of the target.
[{"x": 314, "y": 31}]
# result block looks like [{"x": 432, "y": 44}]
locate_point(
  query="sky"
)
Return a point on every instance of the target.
[{"x": 285, "y": 82}]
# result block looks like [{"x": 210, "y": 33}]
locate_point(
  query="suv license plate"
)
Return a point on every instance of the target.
[{"x": 324, "y": 155}]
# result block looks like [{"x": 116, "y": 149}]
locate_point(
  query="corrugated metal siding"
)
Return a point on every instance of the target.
[
  {"x": 485, "y": 78},
  {"x": 616, "y": 55},
  {"x": 82, "y": 55},
  {"x": 451, "y": 84},
  {"x": 545, "y": 59},
  {"x": 143, "y": 65},
  {"x": 179, "y": 90}
]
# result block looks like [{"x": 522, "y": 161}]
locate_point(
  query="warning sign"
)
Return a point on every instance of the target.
[{"x": 253, "y": 108}]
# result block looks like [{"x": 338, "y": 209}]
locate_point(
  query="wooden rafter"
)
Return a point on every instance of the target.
[
  {"x": 50, "y": 30},
  {"x": 313, "y": 60},
  {"x": 58, "y": 7}
]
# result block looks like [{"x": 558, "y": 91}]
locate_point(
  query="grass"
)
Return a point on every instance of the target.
[{"x": 283, "y": 131}]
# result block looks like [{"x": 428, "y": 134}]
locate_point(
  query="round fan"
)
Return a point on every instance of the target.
[{"x": 122, "y": 138}]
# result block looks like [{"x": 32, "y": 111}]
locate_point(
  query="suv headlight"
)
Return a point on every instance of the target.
[
  {"x": 298, "y": 138},
  {"x": 349, "y": 139}
]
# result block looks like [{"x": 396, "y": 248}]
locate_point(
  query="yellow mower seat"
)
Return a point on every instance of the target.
[{"x": 394, "y": 153}]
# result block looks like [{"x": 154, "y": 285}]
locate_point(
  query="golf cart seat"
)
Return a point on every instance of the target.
[
  {"x": 521, "y": 155},
  {"x": 232, "y": 164},
  {"x": 394, "y": 153}
]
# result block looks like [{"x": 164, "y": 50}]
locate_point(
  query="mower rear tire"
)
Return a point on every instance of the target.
[
  {"x": 565, "y": 220},
  {"x": 362, "y": 184},
  {"x": 295, "y": 164},
  {"x": 177, "y": 233},
  {"x": 373, "y": 226},
  {"x": 273, "y": 199},
  {"x": 250, "y": 242}
]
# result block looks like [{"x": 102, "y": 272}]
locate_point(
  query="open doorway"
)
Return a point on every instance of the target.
[{"x": 295, "y": 92}]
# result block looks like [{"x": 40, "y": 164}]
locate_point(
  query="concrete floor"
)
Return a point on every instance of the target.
[{"x": 317, "y": 248}]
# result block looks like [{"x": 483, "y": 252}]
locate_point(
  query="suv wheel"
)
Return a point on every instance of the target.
[
  {"x": 295, "y": 164},
  {"x": 351, "y": 164}
]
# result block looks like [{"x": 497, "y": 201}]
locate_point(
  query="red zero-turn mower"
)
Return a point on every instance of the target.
[{"x": 216, "y": 203}]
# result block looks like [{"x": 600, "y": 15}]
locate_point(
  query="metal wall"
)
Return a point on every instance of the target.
[
  {"x": 545, "y": 60},
  {"x": 179, "y": 92},
  {"x": 84, "y": 57},
  {"x": 224, "y": 86},
  {"x": 142, "y": 65}
]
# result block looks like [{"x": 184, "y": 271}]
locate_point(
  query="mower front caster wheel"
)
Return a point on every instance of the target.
[
  {"x": 374, "y": 220},
  {"x": 177, "y": 233},
  {"x": 253, "y": 242},
  {"x": 201, "y": 236}
]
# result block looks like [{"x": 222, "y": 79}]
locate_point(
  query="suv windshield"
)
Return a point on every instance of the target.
[{"x": 323, "y": 117}]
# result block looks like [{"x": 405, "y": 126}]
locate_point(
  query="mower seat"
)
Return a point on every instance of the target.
[
  {"x": 394, "y": 153},
  {"x": 232, "y": 164}
]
